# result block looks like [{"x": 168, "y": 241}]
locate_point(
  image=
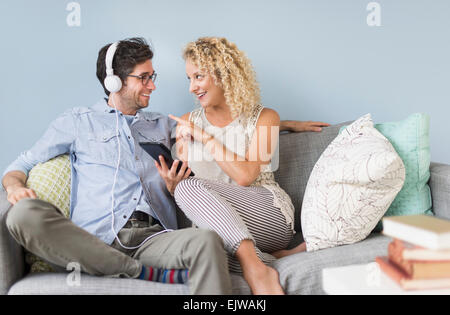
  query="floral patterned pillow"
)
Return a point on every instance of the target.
[{"x": 351, "y": 187}]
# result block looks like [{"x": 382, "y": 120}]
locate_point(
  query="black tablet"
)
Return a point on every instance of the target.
[{"x": 155, "y": 149}]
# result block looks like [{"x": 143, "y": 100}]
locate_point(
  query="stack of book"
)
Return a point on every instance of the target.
[{"x": 419, "y": 255}]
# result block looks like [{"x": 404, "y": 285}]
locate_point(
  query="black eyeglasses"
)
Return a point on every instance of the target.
[{"x": 145, "y": 78}]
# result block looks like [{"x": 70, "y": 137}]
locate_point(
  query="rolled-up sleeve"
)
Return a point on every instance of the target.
[{"x": 58, "y": 139}]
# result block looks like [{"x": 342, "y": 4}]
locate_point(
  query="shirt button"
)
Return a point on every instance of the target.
[
  {"x": 124, "y": 216},
  {"x": 136, "y": 157},
  {"x": 134, "y": 199}
]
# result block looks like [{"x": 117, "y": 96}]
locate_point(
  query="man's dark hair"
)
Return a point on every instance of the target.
[{"x": 130, "y": 52}]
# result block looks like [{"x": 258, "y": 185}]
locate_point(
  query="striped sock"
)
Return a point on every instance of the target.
[{"x": 164, "y": 275}]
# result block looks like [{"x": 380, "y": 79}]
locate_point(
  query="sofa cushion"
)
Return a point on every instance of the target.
[
  {"x": 299, "y": 274},
  {"x": 351, "y": 187},
  {"x": 299, "y": 153},
  {"x": 302, "y": 273},
  {"x": 411, "y": 140},
  {"x": 58, "y": 284}
]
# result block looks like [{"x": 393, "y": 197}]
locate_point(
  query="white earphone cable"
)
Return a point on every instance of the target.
[{"x": 114, "y": 186}]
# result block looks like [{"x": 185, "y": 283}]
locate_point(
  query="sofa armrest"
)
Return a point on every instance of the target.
[
  {"x": 440, "y": 189},
  {"x": 12, "y": 263}
]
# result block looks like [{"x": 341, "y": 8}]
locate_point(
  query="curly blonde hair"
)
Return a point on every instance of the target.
[{"x": 230, "y": 69}]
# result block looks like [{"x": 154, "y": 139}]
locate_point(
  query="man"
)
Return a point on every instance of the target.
[{"x": 131, "y": 199}]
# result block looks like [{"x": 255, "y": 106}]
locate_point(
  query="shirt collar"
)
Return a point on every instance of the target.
[{"x": 102, "y": 106}]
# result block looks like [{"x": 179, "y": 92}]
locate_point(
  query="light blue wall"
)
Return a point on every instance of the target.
[{"x": 315, "y": 59}]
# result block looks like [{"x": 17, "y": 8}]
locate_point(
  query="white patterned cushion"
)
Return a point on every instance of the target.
[{"x": 351, "y": 187}]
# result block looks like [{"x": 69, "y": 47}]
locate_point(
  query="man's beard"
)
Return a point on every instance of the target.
[{"x": 134, "y": 102}]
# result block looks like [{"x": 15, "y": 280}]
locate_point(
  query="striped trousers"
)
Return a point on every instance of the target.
[{"x": 236, "y": 213}]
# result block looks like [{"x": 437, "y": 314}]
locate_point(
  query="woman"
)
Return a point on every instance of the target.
[{"x": 229, "y": 143}]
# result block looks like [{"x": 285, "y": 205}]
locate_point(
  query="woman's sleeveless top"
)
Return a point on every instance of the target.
[{"x": 236, "y": 137}]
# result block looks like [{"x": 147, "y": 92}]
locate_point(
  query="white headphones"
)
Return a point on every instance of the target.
[{"x": 112, "y": 82}]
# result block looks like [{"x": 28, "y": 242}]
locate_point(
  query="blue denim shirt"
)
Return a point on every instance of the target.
[{"x": 89, "y": 136}]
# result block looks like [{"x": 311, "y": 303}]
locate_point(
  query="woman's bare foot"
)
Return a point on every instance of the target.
[
  {"x": 264, "y": 281},
  {"x": 286, "y": 252}
]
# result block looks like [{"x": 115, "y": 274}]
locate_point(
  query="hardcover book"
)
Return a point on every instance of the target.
[
  {"x": 417, "y": 268},
  {"x": 406, "y": 282},
  {"x": 423, "y": 230}
]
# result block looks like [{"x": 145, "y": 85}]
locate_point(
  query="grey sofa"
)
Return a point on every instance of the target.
[{"x": 299, "y": 274}]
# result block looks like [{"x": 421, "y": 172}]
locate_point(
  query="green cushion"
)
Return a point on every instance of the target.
[
  {"x": 411, "y": 140},
  {"x": 51, "y": 182}
]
